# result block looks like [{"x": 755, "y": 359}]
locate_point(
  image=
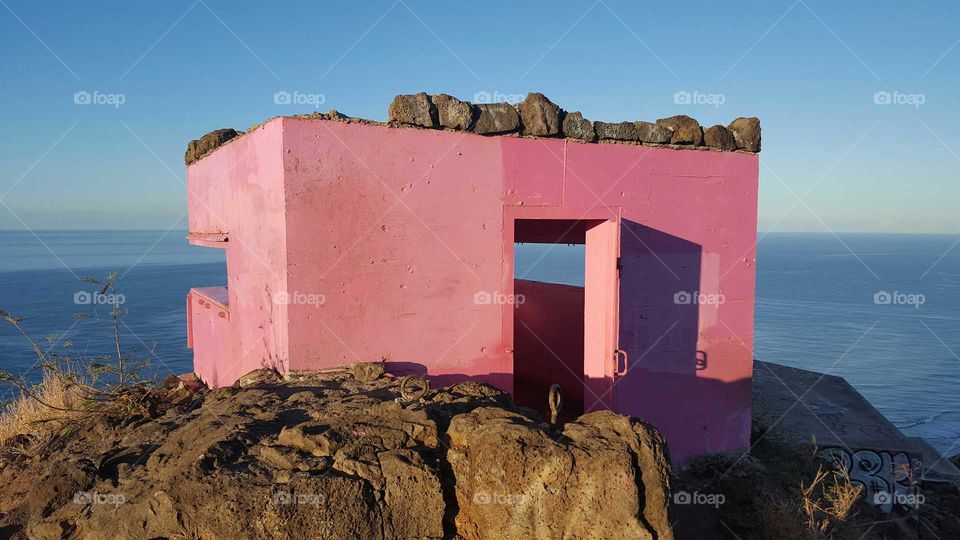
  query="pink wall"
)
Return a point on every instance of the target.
[
  {"x": 548, "y": 339},
  {"x": 208, "y": 323},
  {"x": 688, "y": 225},
  {"x": 407, "y": 237},
  {"x": 399, "y": 229},
  {"x": 238, "y": 190}
]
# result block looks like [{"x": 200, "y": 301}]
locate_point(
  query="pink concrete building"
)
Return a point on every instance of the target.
[{"x": 357, "y": 241}]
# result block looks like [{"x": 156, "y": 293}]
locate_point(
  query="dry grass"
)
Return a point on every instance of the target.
[
  {"x": 828, "y": 501},
  {"x": 29, "y": 416},
  {"x": 73, "y": 384},
  {"x": 823, "y": 508}
]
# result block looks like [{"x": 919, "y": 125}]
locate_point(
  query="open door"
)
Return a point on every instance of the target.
[
  {"x": 564, "y": 333},
  {"x": 601, "y": 314}
]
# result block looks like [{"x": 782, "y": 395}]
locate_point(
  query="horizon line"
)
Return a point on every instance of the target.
[{"x": 759, "y": 233}]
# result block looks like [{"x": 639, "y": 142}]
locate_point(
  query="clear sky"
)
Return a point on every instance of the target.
[{"x": 167, "y": 72}]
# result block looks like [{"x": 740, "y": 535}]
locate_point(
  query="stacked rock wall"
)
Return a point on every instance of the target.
[{"x": 535, "y": 116}]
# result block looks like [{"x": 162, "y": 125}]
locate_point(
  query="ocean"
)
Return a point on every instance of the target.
[{"x": 881, "y": 310}]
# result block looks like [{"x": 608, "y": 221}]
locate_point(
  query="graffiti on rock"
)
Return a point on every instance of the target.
[{"x": 888, "y": 478}]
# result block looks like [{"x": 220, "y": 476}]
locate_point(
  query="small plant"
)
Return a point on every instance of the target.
[
  {"x": 828, "y": 500},
  {"x": 71, "y": 383}
]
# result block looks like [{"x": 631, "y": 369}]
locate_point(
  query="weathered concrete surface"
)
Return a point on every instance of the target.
[
  {"x": 836, "y": 416},
  {"x": 328, "y": 456},
  {"x": 250, "y": 170}
]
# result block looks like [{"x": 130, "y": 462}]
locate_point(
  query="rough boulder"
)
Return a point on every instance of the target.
[{"x": 345, "y": 454}]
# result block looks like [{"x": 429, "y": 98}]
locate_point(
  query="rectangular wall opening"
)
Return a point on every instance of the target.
[{"x": 558, "y": 318}]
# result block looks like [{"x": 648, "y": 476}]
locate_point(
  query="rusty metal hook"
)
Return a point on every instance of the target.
[
  {"x": 555, "y": 400},
  {"x": 421, "y": 387}
]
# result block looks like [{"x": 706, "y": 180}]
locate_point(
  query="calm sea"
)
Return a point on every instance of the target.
[{"x": 881, "y": 310}]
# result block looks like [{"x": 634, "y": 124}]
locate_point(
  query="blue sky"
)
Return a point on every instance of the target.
[{"x": 809, "y": 69}]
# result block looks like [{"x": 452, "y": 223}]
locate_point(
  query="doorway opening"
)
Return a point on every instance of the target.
[{"x": 564, "y": 286}]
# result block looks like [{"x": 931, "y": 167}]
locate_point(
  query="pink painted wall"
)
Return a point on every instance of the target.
[
  {"x": 208, "y": 323},
  {"x": 548, "y": 341},
  {"x": 400, "y": 230},
  {"x": 407, "y": 235},
  {"x": 238, "y": 190}
]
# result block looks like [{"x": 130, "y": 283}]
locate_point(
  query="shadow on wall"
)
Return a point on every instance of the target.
[
  {"x": 400, "y": 369},
  {"x": 548, "y": 346},
  {"x": 660, "y": 306}
]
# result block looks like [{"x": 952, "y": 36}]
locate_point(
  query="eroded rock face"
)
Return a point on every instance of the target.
[
  {"x": 540, "y": 116},
  {"x": 686, "y": 130},
  {"x": 517, "y": 479},
  {"x": 198, "y": 148},
  {"x": 649, "y": 132},
  {"x": 746, "y": 131},
  {"x": 617, "y": 131},
  {"x": 330, "y": 456},
  {"x": 496, "y": 118},
  {"x": 719, "y": 137},
  {"x": 414, "y": 110},
  {"x": 576, "y": 126},
  {"x": 453, "y": 113}
]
